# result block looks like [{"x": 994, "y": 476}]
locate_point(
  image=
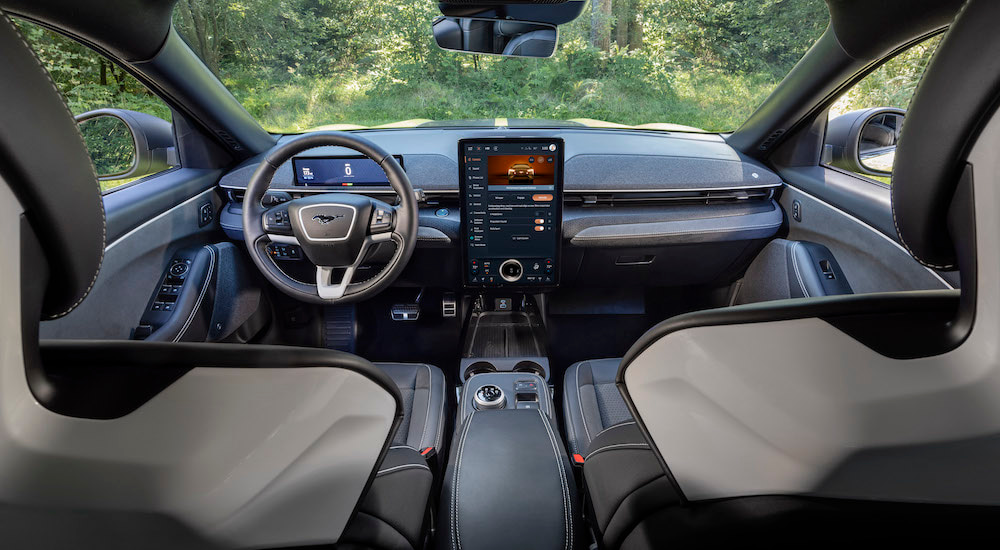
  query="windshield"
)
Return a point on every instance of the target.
[{"x": 683, "y": 65}]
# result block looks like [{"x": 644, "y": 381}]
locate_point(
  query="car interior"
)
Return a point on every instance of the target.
[{"x": 502, "y": 333}]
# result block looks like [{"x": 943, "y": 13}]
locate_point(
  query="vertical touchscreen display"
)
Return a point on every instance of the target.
[{"x": 511, "y": 211}]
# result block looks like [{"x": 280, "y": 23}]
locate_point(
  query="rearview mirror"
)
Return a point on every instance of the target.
[
  {"x": 127, "y": 144},
  {"x": 495, "y": 36},
  {"x": 864, "y": 141}
]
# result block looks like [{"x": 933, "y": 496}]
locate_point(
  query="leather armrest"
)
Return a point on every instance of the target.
[{"x": 508, "y": 484}]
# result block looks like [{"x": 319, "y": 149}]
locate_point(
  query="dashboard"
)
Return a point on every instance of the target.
[
  {"x": 627, "y": 207},
  {"x": 511, "y": 219}
]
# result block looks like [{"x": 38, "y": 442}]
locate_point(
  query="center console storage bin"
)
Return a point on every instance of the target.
[{"x": 508, "y": 485}]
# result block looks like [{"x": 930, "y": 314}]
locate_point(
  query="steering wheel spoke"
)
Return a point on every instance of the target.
[
  {"x": 276, "y": 221},
  {"x": 383, "y": 218},
  {"x": 324, "y": 274}
]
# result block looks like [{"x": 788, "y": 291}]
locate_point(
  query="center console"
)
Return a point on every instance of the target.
[{"x": 509, "y": 482}]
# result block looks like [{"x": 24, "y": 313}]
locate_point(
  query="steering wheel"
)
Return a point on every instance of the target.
[{"x": 336, "y": 231}]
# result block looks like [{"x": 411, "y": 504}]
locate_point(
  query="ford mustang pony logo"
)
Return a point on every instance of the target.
[{"x": 324, "y": 219}]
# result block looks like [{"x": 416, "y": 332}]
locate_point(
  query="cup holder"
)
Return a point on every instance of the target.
[
  {"x": 528, "y": 366},
  {"x": 479, "y": 367}
]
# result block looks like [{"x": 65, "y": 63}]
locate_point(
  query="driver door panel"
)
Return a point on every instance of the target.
[{"x": 147, "y": 224}]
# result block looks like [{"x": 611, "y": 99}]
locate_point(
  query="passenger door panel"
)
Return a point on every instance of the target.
[{"x": 872, "y": 260}]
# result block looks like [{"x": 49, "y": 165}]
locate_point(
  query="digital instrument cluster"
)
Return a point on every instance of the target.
[
  {"x": 348, "y": 171},
  {"x": 511, "y": 211}
]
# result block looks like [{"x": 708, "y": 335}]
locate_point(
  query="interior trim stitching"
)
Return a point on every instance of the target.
[
  {"x": 158, "y": 216},
  {"x": 630, "y": 423},
  {"x": 427, "y": 409},
  {"x": 201, "y": 296},
  {"x": 456, "y": 539},
  {"x": 570, "y": 428},
  {"x": 617, "y": 446},
  {"x": 89, "y": 162},
  {"x": 567, "y": 516},
  {"x": 795, "y": 267},
  {"x": 402, "y": 467},
  {"x": 579, "y": 398},
  {"x": 892, "y": 188},
  {"x": 440, "y": 429}
]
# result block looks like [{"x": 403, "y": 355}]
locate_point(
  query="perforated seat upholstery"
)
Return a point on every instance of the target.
[
  {"x": 393, "y": 514},
  {"x": 591, "y": 402},
  {"x": 422, "y": 387}
]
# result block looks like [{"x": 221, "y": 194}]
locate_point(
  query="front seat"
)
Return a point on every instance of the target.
[
  {"x": 132, "y": 444},
  {"x": 843, "y": 419}
]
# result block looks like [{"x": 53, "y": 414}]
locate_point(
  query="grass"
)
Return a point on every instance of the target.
[{"x": 713, "y": 101}]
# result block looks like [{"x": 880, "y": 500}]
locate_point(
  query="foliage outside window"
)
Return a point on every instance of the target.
[
  {"x": 89, "y": 81},
  {"x": 891, "y": 85},
  {"x": 301, "y": 64},
  {"x": 109, "y": 140}
]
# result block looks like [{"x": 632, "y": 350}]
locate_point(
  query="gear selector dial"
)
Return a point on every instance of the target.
[{"x": 489, "y": 397}]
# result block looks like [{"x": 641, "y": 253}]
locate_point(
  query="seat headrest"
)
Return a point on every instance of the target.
[
  {"x": 45, "y": 163},
  {"x": 957, "y": 95}
]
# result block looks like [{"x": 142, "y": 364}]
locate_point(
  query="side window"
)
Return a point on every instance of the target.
[
  {"x": 126, "y": 127},
  {"x": 865, "y": 123}
]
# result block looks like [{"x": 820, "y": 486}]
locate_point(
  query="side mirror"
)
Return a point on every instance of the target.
[
  {"x": 127, "y": 144},
  {"x": 495, "y": 36},
  {"x": 864, "y": 141}
]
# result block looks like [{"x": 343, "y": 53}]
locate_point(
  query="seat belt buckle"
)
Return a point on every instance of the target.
[{"x": 578, "y": 460}]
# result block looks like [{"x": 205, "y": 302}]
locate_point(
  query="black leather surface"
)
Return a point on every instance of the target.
[
  {"x": 508, "y": 485},
  {"x": 625, "y": 483},
  {"x": 958, "y": 93},
  {"x": 44, "y": 161},
  {"x": 422, "y": 389},
  {"x": 792, "y": 521},
  {"x": 393, "y": 515},
  {"x": 591, "y": 402}
]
